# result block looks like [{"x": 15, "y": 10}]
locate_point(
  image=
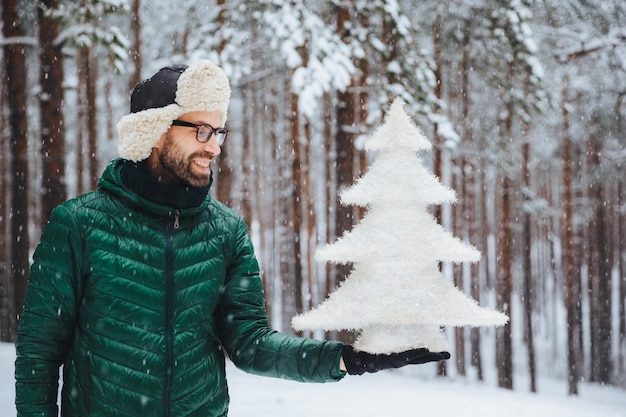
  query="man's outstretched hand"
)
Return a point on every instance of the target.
[{"x": 357, "y": 362}]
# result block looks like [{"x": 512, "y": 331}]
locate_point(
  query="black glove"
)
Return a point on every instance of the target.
[{"x": 357, "y": 362}]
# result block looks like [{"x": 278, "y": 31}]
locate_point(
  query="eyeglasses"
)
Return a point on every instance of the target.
[{"x": 204, "y": 131}]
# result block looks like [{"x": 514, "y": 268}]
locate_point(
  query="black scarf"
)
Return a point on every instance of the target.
[{"x": 137, "y": 179}]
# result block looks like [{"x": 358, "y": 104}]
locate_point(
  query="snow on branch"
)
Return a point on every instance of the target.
[{"x": 613, "y": 39}]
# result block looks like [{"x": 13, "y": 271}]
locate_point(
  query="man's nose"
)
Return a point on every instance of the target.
[{"x": 212, "y": 147}]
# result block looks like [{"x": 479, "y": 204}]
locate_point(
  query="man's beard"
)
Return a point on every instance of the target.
[{"x": 178, "y": 165}]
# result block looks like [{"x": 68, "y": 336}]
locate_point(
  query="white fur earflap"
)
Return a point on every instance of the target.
[{"x": 201, "y": 87}]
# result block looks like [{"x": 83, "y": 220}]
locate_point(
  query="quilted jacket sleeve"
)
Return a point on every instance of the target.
[
  {"x": 47, "y": 320},
  {"x": 247, "y": 337}
]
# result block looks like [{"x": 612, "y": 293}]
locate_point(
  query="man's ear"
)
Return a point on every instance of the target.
[
  {"x": 156, "y": 149},
  {"x": 161, "y": 141}
]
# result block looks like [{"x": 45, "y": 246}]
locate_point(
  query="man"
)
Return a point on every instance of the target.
[{"x": 141, "y": 287}]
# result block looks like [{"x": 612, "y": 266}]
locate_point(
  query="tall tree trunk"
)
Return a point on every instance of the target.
[
  {"x": 527, "y": 271},
  {"x": 570, "y": 270},
  {"x": 459, "y": 220},
  {"x": 81, "y": 139},
  {"x": 135, "y": 46},
  {"x": 344, "y": 146},
  {"x": 6, "y": 289},
  {"x": 269, "y": 221},
  {"x": 308, "y": 201},
  {"x": 621, "y": 268},
  {"x": 504, "y": 283},
  {"x": 346, "y": 160},
  {"x": 362, "y": 97},
  {"x": 504, "y": 287},
  {"x": 15, "y": 72},
  {"x": 296, "y": 280},
  {"x": 599, "y": 271},
  {"x": 225, "y": 170},
  {"x": 437, "y": 142},
  {"x": 91, "y": 76},
  {"x": 285, "y": 238},
  {"x": 331, "y": 191},
  {"x": 225, "y": 175},
  {"x": 51, "y": 102},
  {"x": 471, "y": 199}
]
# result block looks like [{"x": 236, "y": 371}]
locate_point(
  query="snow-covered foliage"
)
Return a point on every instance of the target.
[
  {"x": 407, "y": 65},
  {"x": 319, "y": 60},
  {"x": 84, "y": 27},
  {"x": 396, "y": 294}
]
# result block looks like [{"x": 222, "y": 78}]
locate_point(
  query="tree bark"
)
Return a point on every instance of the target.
[
  {"x": 91, "y": 76},
  {"x": 527, "y": 271},
  {"x": 504, "y": 283},
  {"x": 471, "y": 193},
  {"x": 51, "y": 103},
  {"x": 296, "y": 280},
  {"x": 6, "y": 289},
  {"x": 437, "y": 142},
  {"x": 135, "y": 49},
  {"x": 622, "y": 284},
  {"x": 16, "y": 81},
  {"x": 344, "y": 146},
  {"x": 570, "y": 271},
  {"x": 599, "y": 270},
  {"x": 225, "y": 170},
  {"x": 308, "y": 202},
  {"x": 331, "y": 191},
  {"x": 504, "y": 287}
]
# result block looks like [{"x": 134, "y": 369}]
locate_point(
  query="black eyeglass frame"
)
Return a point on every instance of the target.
[{"x": 204, "y": 131}]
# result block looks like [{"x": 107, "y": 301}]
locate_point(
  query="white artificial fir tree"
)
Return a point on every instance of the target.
[{"x": 395, "y": 294}]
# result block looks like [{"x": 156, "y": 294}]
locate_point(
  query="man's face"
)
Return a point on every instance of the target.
[{"x": 179, "y": 158}]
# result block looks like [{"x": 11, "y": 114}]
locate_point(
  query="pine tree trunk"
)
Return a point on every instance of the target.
[
  {"x": 471, "y": 198},
  {"x": 621, "y": 251},
  {"x": 80, "y": 139},
  {"x": 570, "y": 271},
  {"x": 135, "y": 47},
  {"x": 269, "y": 222},
  {"x": 331, "y": 193},
  {"x": 296, "y": 280},
  {"x": 345, "y": 155},
  {"x": 599, "y": 271},
  {"x": 437, "y": 154},
  {"x": 89, "y": 78},
  {"x": 344, "y": 148},
  {"x": 51, "y": 103},
  {"x": 16, "y": 82},
  {"x": 505, "y": 238},
  {"x": 308, "y": 202},
  {"x": 284, "y": 237},
  {"x": 6, "y": 289},
  {"x": 459, "y": 220},
  {"x": 474, "y": 229},
  {"x": 527, "y": 270},
  {"x": 225, "y": 170},
  {"x": 504, "y": 287}
]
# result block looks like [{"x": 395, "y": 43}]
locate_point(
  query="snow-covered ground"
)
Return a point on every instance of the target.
[{"x": 390, "y": 393}]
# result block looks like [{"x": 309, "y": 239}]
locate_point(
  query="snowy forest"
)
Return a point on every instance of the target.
[{"x": 524, "y": 102}]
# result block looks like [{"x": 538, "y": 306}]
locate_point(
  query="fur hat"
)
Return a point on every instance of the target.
[{"x": 162, "y": 98}]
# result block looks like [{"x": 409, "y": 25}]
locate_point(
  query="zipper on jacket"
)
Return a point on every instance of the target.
[
  {"x": 169, "y": 314},
  {"x": 88, "y": 384},
  {"x": 176, "y": 219}
]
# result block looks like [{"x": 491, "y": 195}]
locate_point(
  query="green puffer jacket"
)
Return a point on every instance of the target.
[{"x": 137, "y": 301}]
